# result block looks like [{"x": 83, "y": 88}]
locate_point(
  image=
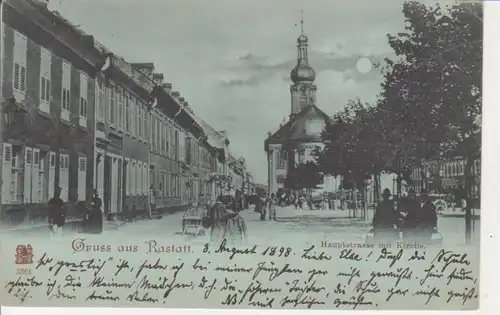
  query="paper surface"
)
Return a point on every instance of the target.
[{"x": 304, "y": 274}]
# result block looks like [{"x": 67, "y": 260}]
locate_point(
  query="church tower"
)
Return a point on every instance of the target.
[{"x": 303, "y": 89}]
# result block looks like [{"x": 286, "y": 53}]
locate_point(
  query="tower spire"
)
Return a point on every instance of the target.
[{"x": 302, "y": 21}]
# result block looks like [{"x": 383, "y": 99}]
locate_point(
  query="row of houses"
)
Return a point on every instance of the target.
[
  {"x": 78, "y": 116},
  {"x": 447, "y": 176}
]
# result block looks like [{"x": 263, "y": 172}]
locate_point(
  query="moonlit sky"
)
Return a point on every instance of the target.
[{"x": 231, "y": 59}]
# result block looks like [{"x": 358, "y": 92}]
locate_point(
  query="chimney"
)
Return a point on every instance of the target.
[
  {"x": 269, "y": 134},
  {"x": 88, "y": 41},
  {"x": 167, "y": 87},
  {"x": 42, "y": 2},
  {"x": 147, "y": 68},
  {"x": 181, "y": 101},
  {"x": 158, "y": 78},
  {"x": 189, "y": 109},
  {"x": 175, "y": 95}
]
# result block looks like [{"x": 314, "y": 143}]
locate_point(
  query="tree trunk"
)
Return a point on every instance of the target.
[
  {"x": 423, "y": 178},
  {"x": 468, "y": 198},
  {"x": 355, "y": 198},
  {"x": 365, "y": 202},
  {"x": 399, "y": 179},
  {"x": 376, "y": 189}
]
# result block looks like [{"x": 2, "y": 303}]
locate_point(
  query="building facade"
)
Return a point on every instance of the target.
[
  {"x": 295, "y": 141},
  {"x": 78, "y": 116},
  {"x": 445, "y": 177},
  {"x": 48, "y": 95}
]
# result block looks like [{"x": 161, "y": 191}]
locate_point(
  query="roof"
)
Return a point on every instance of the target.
[
  {"x": 214, "y": 138},
  {"x": 306, "y": 126}
]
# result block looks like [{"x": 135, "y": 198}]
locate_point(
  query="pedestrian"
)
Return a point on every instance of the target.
[
  {"x": 411, "y": 207},
  {"x": 263, "y": 208},
  {"x": 226, "y": 224},
  {"x": 217, "y": 215},
  {"x": 271, "y": 206},
  {"x": 427, "y": 220},
  {"x": 385, "y": 220},
  {"x": 56, "y": 213},
  {"x": 94, "y": 223}
]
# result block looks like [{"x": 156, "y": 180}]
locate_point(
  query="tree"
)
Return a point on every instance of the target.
[
  {"x": 354, "y": 146},
  {"x": 432, "y": 93},
  {"x": 304, "y": 176}
]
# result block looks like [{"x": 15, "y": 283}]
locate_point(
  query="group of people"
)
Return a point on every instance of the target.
[
  {"x": 415, "y": 219},
  {"x": 92, "y": 222},
  {"x": 266, "y": 206}
]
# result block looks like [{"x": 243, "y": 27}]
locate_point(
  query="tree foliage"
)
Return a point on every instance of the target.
[
  {"x": 430, "y": 104},
  {"x": 354, "y": 149},
  {"x": 306, "y": 175}
]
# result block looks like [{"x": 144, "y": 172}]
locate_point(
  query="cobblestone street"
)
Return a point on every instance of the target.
[{"x": 291, "y": 226}]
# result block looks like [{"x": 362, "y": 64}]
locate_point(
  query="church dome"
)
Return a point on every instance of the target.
[{"x": 303, "y": 72}]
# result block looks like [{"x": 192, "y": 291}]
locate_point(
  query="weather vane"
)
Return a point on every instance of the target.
[{"x": 301, "y": 22}]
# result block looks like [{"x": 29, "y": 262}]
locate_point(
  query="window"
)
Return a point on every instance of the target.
[
  {"x": 145, "y": 134},
  {"x": 138, "y": 119},
  {"x": 132, "y": 108},
  {"x": 45, "y": 67},
  {"x": 164, "y": 138},
  {"x": 66, "y": 90},
  {"x": 176, "y": 145},
  {"x": 119, "y": 107},
  {"x": 82, "y": 178},
  {"x": 83, "y": 99},
  {"x": 165, "y": 184},
  {"x": 64, "y": 176},
  {"x": 128, "y": 183},
  {"x": 158, "y": 134},
  {"x": 112, "y": 105},
  {"x": 100, "y": 99},
  {"x": 36, "y": 177},
  {"x": 153, "y": 132},
  {"x": 167, "y": 138},
  {"x": 280, "y": 159},
  {"x": 128, "y": 100},
  {"x": 20, "y": 60},
  {"x": 145, "y": 182},
  {"x": 133, "y": 178},
  {"x": 51, "y": 174},
  {"x": 28, "y": 161},
  {"x": 8, "y": 175}
]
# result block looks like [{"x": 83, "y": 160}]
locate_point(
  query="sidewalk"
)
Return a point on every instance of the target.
[{"x": 71, "y": 224}]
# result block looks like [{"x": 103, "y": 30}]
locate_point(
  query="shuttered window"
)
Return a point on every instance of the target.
[
  {"x": 45, "y": 79},
  {"x": 83, "y": 95},
  {"x": 64, "y": 176},
  {"x": 82, "y": 178},
  {"x": 20, "y": 61}
]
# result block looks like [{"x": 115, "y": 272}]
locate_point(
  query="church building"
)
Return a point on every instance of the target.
[{"x": 295, "y": 141}]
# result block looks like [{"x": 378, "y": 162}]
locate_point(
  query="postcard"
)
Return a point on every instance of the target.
[{"x": 317, "y": 155}]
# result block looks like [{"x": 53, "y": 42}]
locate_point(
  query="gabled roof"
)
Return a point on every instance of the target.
[{"x": 298, "y": 128}]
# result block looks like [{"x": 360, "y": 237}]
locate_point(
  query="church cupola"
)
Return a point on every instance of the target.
[
  {"x": 302, "y": 72},
  {"x": 303, "y": 90}
]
